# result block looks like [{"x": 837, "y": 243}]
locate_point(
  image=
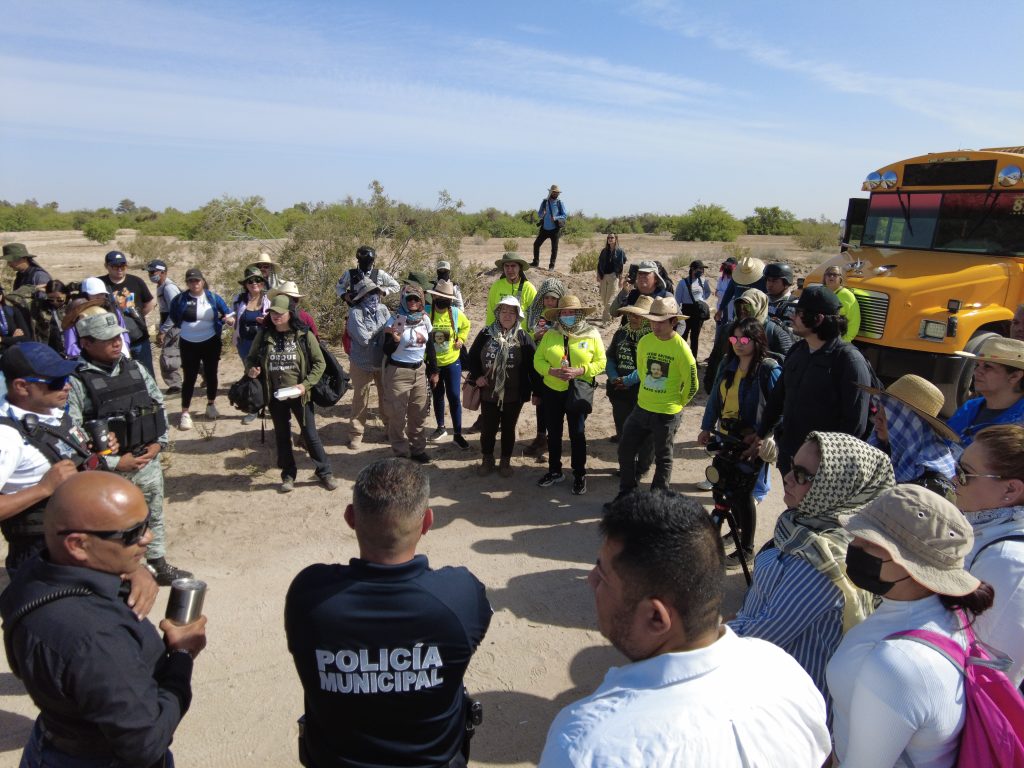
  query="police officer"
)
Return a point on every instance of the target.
[
  {"x": 381, "y": 644},
  {"x": 111, "y": 387},
  {"x": 365, "y": 258}
]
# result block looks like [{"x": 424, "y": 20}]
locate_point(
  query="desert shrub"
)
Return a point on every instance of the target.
[
  {"x": 679, "y": 261},
  {"x": 735, "y": 250},
  {"x": 481, "y": 236},
  {"x": 145, "y": 248},
  {"x": 100, "y": 231},
  {"x": 708, "y": 221},
  {"x": 817, "y": 234},
  {"x": 771, "y": 221},
  {"x": 510, "y": 246},
  {"x": 585, "y": 259}
]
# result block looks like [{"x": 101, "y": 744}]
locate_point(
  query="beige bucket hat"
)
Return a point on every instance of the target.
[
  {"x": 443, "y": 290},
  {"x": 920, "y": 396},
  {"x": 662, "y": 309},
  {"x": 287, "y": 288},
  {"x": 641, "y": 307}
]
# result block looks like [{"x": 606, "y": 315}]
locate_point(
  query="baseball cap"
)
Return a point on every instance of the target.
[
  {"x": 647, "y": 266},
  {"x": 30, "y": 358},
  {"x": 93, "y": 286},
  {"x": 101, "y": 327},
  {"x": 156, "y": 265},
  {"x": 818, "y": 300},
  {"x": 115, "y": 257},
  {"x": 193, "y": 273},
  {"x": 444, "y": 265},
  {"x": 281, "y": 304}
]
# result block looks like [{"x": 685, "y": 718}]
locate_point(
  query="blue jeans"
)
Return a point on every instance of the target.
[
  {"x": 449, "y": 383},
  {"x": 764, "y": 483},
  {"x": 39, "y": 753},
  {"x": 142, "y": 353}
]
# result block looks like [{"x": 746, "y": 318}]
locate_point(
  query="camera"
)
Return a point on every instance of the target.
[{"x": 634, "y": 270}]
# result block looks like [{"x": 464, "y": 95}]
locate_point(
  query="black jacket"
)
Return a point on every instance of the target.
[
  {"x": 520, "y": 364},
  {"x": 611, "y": 262}
]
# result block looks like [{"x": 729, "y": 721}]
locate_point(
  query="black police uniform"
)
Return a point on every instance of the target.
[{"x": 381, "y": 651}]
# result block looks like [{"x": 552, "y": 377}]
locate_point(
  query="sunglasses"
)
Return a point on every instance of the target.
[
  {"x": 963, "y": 477},
  {"x": 253, "y": 281},
  {"x": 801, "y": 475},
  {"x": 741, "y": 340},
  {"x": 128, "y": 536},
  {"x": 55, "y": 384},
  {"x": 413, "y": 298}
]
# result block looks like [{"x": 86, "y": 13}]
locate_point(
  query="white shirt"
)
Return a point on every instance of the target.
[
  {"x": 202, "y": 328},
  {"x": 1002, "y": 566},
  {"x": 21, "y": 465},
  {"x": 737, "y": 702},
  {"x": 412, "y": 346},
  {"x": 891, "y": 696}
]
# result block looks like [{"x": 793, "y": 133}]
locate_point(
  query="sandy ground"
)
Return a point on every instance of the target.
[{"x": 532, "y": 547}]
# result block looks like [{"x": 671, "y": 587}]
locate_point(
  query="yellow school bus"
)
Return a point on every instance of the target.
[{"x": 935, "y": 257}]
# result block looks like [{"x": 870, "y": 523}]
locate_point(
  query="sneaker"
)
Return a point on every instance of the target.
[
  {"x": 579, "y": 485},
  {"x": 732, "y": 561},
  {"x": 460, "y": 441},
  {"x": 212, "y": 412},
  {"x": 705, "y": 485},
  {"x": 534, "y": 263},
  {"x": 185, "y": 422},
  {"x": 328, "y": 482},
  {"x": 437, "y": 434},
  {"x": 164, "y": 572},
  {"x": 249, "y": 418},
  {"x": 287, "y": 485},
  {"x": 422, "y": 458},
  {"x": 550, "y": 479}
]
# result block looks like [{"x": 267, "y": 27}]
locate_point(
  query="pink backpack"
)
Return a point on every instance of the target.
[{"x": 994, "y": 724}]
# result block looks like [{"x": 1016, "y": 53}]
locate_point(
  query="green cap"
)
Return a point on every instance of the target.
[
  {"x": 281, "y": 304},
  {"x": 101, "y": 327}
]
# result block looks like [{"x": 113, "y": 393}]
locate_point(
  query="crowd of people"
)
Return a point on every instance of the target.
[{"x": 896, "y": 521}]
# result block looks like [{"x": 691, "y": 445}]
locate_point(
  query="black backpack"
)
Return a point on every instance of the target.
[
  {"x": 333, "y": 384},
  {"x": 247, "y": 395}
]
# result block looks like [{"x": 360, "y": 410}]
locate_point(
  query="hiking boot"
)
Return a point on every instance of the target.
[
  {"x": 486, "y": 466},
  {"x": 551, "y": 267},
  {"x": 328, "y": 482},
  {"x": 185, "y": 423},
  {"x": 732, "y": 561},
  {"x": 287, "y": 485},
  {"x": 437, "y": 434},
  {"x": 538, "y": 446},
  {"x": 535, "y": 263},
  {"x": 249, "y": 418},
  {"x": 164, "y": 572},
  {"x": 579, "y": 485},
  {"x": 212, "y": 413},
  {"x": 460, "y": 441},
  {"x": 550, "y": 479},
  {"x": 421, "y": 458},
  {"x": 505, "y": 468}
]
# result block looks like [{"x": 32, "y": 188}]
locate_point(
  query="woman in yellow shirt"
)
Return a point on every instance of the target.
[
  {"x": 571, "y": 349},
  {"x": 451, "y": 331}
]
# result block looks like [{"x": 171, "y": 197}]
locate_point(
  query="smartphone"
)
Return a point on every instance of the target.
[{"x": 399, "y": 325}]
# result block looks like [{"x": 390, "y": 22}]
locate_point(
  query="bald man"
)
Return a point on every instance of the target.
[{"x": 107, "y": 687}]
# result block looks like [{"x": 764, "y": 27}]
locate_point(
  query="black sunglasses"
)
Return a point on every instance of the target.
[
  {"x": 801, "y": 475},
  {"x": 129, "y": 536},
  {"x": 252, "y": 280},
  {"x": 55, "y": 384}
]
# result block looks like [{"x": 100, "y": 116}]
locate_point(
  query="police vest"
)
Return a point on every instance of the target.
[
  {"x": 56, "y": 443},
  {"x": 135, "y": 417}
]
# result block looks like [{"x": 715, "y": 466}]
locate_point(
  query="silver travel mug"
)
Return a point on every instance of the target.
[{"x": 185, "y": 604}]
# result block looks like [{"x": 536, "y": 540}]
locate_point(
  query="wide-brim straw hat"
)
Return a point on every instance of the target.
[
  {"x": 554, "y": 188},
  {"x": 512, "y": 258},
  {"x": 287, "y": 288},
  {"x": 641, "y": 307},
  {"x": 662, "y": 309},
  {"x": 567, "y": 302},
  {"x": 77, "y": 311},
  {"x": 249, "y": 273},
  {"x": 263, "y": 259},
  {"x": 1000, "y": 350},
  {"x": 920, "y": 396},
  {"x": 921, "y": 531},
  {"x": 748, "y": 271},
  {"x": 363, "y": 287},
  {"x": 443, "y": 290}
]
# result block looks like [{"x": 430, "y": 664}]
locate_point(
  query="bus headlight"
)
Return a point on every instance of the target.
[
  {"x": 889, "y": 180},
  {"x": 873, "y": 180},
  {"x": 1009, "y": 176},
  {"x": 932, "y": 330}
]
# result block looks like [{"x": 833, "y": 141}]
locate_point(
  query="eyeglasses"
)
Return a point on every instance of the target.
[
  {"x": 55, "y": 384},
  {"x": 963, "y": 476},
  {"x": 253, "y": 281},
  {"x": 801, "y": 475},
  {"x": 128, "y": 536},
  {"x": 741, "y": 340}
]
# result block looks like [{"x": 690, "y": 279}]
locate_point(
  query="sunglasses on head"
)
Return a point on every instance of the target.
[
  {"x": 963, "y": 477},
  {"x": 739, "y": 340},
  {"x": 128, "y": 536},
  {"x": 801, "y": 475},
  {"x": 56, "y": 384}
]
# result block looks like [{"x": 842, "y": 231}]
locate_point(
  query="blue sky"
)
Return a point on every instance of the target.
[{"x": 627, "y": 106}]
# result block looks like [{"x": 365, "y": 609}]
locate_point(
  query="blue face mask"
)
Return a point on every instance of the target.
[{"x": 568, "y": 321}]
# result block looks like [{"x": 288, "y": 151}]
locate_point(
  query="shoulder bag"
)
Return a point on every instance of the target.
[{"x": 581, "y": 392}]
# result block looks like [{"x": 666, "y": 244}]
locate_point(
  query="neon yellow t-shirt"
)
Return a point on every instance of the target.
[
  {"x": 444, "y": 338},
  {"x": 668, "y": 374},
  {"x": 501, "y": 288},
  {"x": 731, "y": 396}
]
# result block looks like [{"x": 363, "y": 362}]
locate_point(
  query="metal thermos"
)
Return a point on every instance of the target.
[
  {"x": 185, "y": 604},
  {"x": 99, "y": 435}
]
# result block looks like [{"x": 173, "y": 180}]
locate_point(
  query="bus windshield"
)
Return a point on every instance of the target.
[{"x": 967, "y": 222}]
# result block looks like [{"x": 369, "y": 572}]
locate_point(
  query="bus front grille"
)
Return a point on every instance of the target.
[{"x": 874, "y": 307}]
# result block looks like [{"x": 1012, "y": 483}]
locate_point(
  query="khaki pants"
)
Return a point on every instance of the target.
[
  {"x": 609, "y": 287},
  {"x": 406, "y": 404},
  {"x": 361, "y": 381}
]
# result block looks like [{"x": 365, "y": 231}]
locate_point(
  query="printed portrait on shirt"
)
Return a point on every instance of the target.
[
  {"x": 657, "y": 374},
  {"x": 442, "y": 338}
]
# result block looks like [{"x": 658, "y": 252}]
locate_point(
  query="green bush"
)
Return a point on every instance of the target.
[
  {"x": 100, "y": 231},
  {"x": 145, "y": 248},
  {"x": 817, "y": 235},
  {"x": 585, "y": 259},
  {"x": 707, "y": 222},
  {"x": 771, "y": 221}
]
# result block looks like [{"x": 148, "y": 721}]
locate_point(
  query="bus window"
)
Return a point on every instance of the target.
[
  {"x": 902, "y": 219},
  {"x": 981, "y": 222}
]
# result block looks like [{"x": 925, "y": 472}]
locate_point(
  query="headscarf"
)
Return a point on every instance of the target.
[
  {"x": 580, "y": 328},
  {"x": 371, "y": 301},
  {"x": 851, "y": 474},
  {"x": 550, "y": 287},
  {"x": 913, "y": 445},
  {"x": 403, "y": 307},
  {"x": 757, "y": 301},
  {"x": 505, "y": 341}
]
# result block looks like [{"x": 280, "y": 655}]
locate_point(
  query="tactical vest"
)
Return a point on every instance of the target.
[
  {"x": 136, "y": 418},
  {"x": 56, "y": 443}
]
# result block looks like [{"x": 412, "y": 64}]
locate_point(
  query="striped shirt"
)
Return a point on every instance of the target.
[{"x": 796, "y": 607}]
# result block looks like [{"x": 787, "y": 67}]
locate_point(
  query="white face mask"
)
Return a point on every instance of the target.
[{"x": 154, "y": 278}]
